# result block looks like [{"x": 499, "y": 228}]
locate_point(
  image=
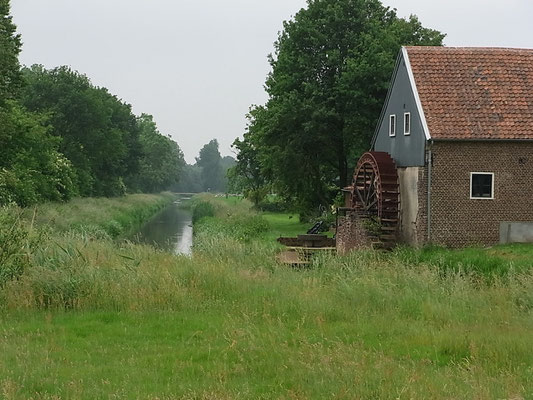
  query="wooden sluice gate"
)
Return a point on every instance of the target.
[{"x": 300, "y": 250}]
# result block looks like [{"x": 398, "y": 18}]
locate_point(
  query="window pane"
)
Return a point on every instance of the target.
[
  {"x": 481, "y": 185},
  {"x": 407, "y": 123}
]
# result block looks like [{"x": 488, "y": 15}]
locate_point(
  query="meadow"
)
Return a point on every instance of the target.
[{"x": 91, "y": 317}]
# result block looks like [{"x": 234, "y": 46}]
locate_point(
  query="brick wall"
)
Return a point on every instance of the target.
[
  {"x": 457, "y": 220},
  {"x": 351, "y": 233},
  {"x": 421, "y": 220}
]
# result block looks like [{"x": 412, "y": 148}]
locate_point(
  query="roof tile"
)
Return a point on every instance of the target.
[{"x": 475, "y": 93}]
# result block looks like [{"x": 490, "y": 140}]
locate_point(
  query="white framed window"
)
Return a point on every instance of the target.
[
  {"x": 392, "y": 125},
  {"x": 482, "y": 185},
  {"x": 407, "y": 123}
]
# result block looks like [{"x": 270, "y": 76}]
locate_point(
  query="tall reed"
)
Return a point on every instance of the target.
[{"x": 231, "y": 322}]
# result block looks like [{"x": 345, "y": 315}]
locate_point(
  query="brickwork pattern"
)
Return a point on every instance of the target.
[
  {"x": 457, "y": 220},
  {"x": 351, "y": 234},
  {"x": 421, "y": 220}
]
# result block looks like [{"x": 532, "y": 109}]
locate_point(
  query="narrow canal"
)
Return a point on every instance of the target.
[{"x": 170, "y": 230}]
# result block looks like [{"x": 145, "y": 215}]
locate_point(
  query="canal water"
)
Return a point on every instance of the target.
[{"x": 169, "y": 230}]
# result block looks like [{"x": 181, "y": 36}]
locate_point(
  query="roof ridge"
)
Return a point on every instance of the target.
[{"x": 468, "y": 48}]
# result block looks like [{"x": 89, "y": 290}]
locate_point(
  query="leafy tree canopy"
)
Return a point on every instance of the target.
[
  {"x": 10, "y": 44},
  {"x": 190, "y": 180},
  {"x": 210, "y": 161},
  {"x": 161, "y": 161},
  {"x": 193, "y": 178},
  {"x": 330, "y": 72},
  {"x": 32, "y": 169},
  {"x": 248, "y": 176},
  {"x": 100, "y": 135},
  {"x": 61, "y": 136}
]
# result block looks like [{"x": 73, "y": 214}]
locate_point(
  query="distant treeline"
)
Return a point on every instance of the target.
[
  {"x": 208, "y": 174},
  {"x": 61, "y": 136}
]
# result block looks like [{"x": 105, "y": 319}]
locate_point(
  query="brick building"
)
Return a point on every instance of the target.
[{"x": 458, "y": 125}]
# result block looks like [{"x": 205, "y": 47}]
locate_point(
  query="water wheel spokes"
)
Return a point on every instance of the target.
[{"x": 375, "y": 192}]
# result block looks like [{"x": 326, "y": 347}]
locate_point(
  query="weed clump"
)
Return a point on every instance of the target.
[
  {"x": 201, "y": 210},
  {"x": 16, "y": 243},
  {"x": 238, "y": 227},
  {"x": 489, "y": 264}
]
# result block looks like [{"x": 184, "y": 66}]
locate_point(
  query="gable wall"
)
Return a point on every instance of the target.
[
  {"x": 457, "y": 220},
  {"x": 407, "y": 151}
]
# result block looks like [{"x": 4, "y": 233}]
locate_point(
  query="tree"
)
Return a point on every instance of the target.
[
  {"x": 10, "y": 44},
  {"x": 248, "y": 176},
  {"x": 190, "y": 180},
  {"x": 226, "y": 163},
  {"x": 161, "y": 161},
  {"x": 210, "y": 161},
  {"x": 100, "y": 134},
  {"x": 61, "y": 136},
  {"x": 330, "y": 72},
  {"x": 32, "y": 169}
]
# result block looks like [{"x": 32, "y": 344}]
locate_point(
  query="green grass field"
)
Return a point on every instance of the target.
[
  {"x": 280, "y": 224},
  {"x": 99, "y": 319},
  {"x": 284, "y": 224}
]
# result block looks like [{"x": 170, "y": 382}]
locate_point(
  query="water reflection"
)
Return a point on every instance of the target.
[{"x": 170, "y": 230}]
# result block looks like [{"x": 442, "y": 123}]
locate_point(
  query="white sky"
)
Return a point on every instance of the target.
[{"x": 198, "y": 65}]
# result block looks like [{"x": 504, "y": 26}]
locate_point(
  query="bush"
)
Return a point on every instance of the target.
[
  {"x": 32, "y": 169},
  {"x": 273, "y": 205},
  {"x": 113, "y": 228},
  {"x": 15, "y": 244},
  {"x": 201, "y": 210},
  {"x": 15, "y": 188},
  {"x": 328, "y": 220},
  {"x": 239, "y": 227}
]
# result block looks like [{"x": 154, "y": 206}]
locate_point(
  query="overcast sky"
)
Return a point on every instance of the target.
[{"x": 198, "y": 65}]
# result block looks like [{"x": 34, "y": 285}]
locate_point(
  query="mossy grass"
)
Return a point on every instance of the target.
[{"x": 95, "y": 318}]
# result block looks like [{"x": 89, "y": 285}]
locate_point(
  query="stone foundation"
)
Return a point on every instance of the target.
[{"x": 351, "y": 233}]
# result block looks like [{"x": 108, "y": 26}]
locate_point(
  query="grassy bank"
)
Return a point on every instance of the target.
[
  {"x": 41, "y": 239},
  {"x": 232, "y": 215},
  {"x": 95, "y": 319},
  {"x": 115, "y": 217}
]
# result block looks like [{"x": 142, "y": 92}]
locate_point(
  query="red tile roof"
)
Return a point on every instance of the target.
[{"x": 475, "y": 93}]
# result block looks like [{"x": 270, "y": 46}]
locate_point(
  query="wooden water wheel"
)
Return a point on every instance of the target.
[{"x": 375, "y": 193}]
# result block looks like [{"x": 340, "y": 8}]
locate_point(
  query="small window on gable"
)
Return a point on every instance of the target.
[
  {"x": 407, "y": 124},
  {"x": 481, "y": 185},
  {"x": 392, "y": 125}
]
